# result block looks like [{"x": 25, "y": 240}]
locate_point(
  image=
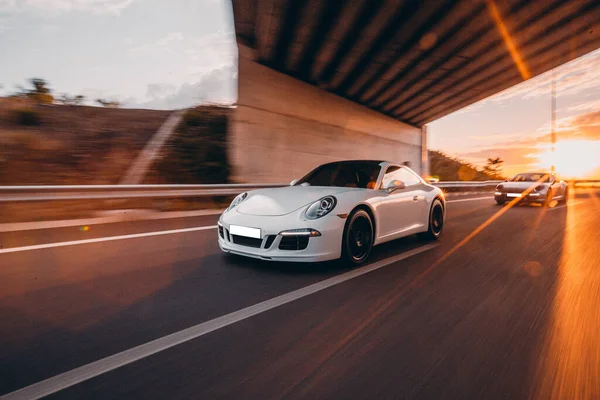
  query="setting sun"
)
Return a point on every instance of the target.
[{"x": 573, "y": 158}]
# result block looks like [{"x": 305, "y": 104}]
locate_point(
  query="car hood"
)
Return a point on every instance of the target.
[
  {"x": 281, "y": 201},
  {"x": 519, "y": 186}
]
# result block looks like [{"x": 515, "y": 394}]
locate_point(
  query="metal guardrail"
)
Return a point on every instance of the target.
[
  {"x": 112, "y": 192},
  {"x": 470, "y": 185}
]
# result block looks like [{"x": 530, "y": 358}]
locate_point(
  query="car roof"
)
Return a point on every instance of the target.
[{"x": 379, "y": 162}]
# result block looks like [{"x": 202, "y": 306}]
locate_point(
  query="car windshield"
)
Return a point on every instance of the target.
[
  {"x": 537, "y": 177},
  {"x": 356, "y": 174}
]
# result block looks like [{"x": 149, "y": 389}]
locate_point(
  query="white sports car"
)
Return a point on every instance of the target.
[
  {"x": 338, "y": 210},
  {"x": 532, "y": 187}
]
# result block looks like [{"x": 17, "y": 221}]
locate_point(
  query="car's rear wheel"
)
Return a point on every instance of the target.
[
  {"x": 357, "y": 240},
  {"x": 436, "y": 221},
  {"x": 500, "y": 202}
]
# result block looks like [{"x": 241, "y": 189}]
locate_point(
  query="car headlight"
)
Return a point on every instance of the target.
[
  {"x": 321, "y": 207},
  {"x": 238, "y": 199}
]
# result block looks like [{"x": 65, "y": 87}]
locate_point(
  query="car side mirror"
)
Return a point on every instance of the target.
[
  {"x": 395, "y": 185},
  {"x": 432, "y": 180},
  {"x": 292, "y": 183}
]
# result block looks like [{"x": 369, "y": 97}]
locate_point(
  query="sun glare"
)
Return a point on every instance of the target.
[{"x": 573, "y": 158}]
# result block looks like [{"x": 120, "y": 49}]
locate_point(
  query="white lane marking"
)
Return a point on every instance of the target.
[
  {"x": 473, "y": 199},
  {"x": 27, "y": 226},
  {"x": 83, "y": 373},
  {"x": 103, "y": 239}
]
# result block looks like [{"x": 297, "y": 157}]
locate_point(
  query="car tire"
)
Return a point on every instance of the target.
[
  {"x": 500, "y": 202},
  {"x": 358, "y": 237},
  {"x": 565, "y": 199},
  {"x": 549, "y": 197},
  {"x": 435, "y": 223}
]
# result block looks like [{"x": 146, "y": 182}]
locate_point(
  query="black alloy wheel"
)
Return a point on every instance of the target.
[
  {"x": 358, "y": 237},
  {"x": 565, "y": 200},
  {"x": 436, "y": 222}
]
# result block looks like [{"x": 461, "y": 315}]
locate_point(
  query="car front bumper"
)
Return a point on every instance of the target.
[
  {"x": 325, "y": 247},
  {"x": 534, "y": 197}
]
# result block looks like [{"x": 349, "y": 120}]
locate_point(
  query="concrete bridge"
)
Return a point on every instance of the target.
[{"x": 322, "y": 80}]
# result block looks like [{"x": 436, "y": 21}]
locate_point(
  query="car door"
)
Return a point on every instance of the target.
[{"x": 400, "y": 212}]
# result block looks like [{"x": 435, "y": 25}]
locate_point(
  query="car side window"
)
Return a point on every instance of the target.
[{"x": 398, "y": 173}]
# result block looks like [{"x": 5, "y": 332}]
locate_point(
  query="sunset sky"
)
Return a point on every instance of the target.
[
  {"x": 173, "y": 54},
  {"x": 515, "y": 124}
]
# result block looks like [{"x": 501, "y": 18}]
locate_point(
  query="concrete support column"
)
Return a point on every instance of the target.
[
  {"x": 282, "y": 128},
  {"x": 424, "y": 153}
]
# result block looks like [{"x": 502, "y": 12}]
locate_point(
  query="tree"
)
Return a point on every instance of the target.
[
  {"x": 493, "y": 167},
  {"x": 40, "y": 93},
  {"x": 109, "y": 103},
  {"x": 67, "y": 100}
]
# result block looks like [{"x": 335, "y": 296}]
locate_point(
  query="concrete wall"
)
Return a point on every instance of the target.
[{"x": 283, "y": 128}]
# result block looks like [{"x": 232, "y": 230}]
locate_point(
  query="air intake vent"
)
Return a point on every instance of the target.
[
  {"x": 246, "y": 241},
  {"x": 293, "y": 243},
  {"x": 270, "y": 240},
  {"x": 221, "y": 232}
]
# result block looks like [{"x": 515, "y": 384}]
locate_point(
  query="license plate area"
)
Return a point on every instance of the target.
[
  {"x": 245, "y": 231},
  {"x": 514, "y": 195}
]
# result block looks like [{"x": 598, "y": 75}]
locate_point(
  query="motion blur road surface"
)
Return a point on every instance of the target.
[{"x": 506, "y": 305}]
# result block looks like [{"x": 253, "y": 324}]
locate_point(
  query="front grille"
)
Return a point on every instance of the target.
[
  {"x": 293, "y": 243},
  {"x": 246, "y": 241},
  {"x": 270, "y": 240}
]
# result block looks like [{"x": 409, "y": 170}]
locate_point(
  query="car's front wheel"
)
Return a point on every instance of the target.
[
  {"x": 565, "y": 198},
  {"x": 436, "y": 221},
  {"x": 548, "y": 199},
  {"x": 357, "y": 240}
]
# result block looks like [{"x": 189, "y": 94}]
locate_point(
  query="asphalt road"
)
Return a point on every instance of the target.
[{"x": 505, "y": 305}]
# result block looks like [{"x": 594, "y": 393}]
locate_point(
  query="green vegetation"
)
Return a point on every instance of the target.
[
  {"x": 67, "y": 100},
  {"x": 447, "y": 168},
  {"x": 197, "y": 153},
  {"x": 26, "y": 117},
  {"x": 38, "y": 93},
  {"x": 74, "y": 145},
  {"x": 493, "y": 167},
  {"x": 108, "y": 103}
]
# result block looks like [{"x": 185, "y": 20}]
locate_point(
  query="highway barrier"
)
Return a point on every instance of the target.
[{"x": 109, "y": 192}]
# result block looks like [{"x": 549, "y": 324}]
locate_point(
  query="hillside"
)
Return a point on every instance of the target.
[
  {"x": 56, "y": 144},
  {"x": 451, "y": 169},
  {"x": 197, "y": 152}
]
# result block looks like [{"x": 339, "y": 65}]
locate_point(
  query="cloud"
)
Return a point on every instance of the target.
[
  {"x": 156, "y": 91},
  {"x": 94, "y": 6},
  {"x": 217, "y": 86},
  {"x": 197, "y": 55},
  {"x": 7, "y": 6},
  {"x": 171, "y": 37},
  {"x": 576, "y": 77},
  {"x": 587, "y": 106},
  {"x": 525, "y": 153},
  {"x": 50, "y": 28}
]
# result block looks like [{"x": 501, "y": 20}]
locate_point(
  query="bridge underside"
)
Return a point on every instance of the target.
[{"x": 416, "y": 61}]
